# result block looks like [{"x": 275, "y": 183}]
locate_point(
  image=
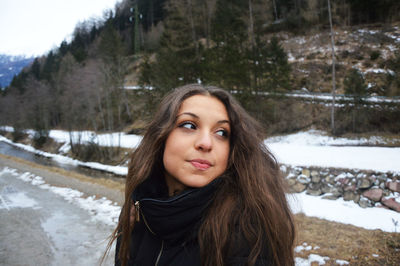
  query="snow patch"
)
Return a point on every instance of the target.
[
  {"x": 346, "y": 212},
  {"x": 342, "y": 262},
  {"x": 311, "y": 258},
  {"x": 16, "y": 200},
  {"x": 102, "y": 209}
]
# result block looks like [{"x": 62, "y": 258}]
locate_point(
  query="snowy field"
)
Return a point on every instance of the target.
[{"x": 314, "y": 148}]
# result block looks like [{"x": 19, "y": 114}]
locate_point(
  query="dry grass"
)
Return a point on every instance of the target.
[
  {"x": 347, "y": 242},
  {"x": 118, "y": 184}
]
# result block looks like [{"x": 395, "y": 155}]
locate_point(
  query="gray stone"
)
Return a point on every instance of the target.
[
  {"x": 350, "y": 195},
  {"x": 341, "y": 180},
  {"x": 374, "y": 194},
  {"x": 382, "y": 185},
  {"x": 299, "y": 187},
  {"x": 330, "y": 179},
  {"x": 314, "y": 173},
  {"x": 324, "y": 172},
  {"x": 314, "y": 189},
  {"x": 361, "y": 175},
  {"x": 365, "y": 203},
  {"x": 336, "y": 191},
  {"x": 326, "y": 188},
  {"x": 350, "y": 187},
  {"x": 383, "y": 177},
  {"x": 313, "y": 192},
  {"x": 386, "y": 193},
  {"x": 315, "y": 178},
  {"x": 357, "y": 198},
  {"x": 306, "y": 172},
  {"x": 303, "y": 179},
  {"x": 315, "y": 186},
  {"x": 364, "y": 183},
  {"x": 297, "y": 170},
  {"x": 291, "y": 181},
  {"x": 331, "y": 197}
]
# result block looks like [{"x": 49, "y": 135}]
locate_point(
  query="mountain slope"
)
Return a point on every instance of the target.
[{"x": 10, "y": 66}]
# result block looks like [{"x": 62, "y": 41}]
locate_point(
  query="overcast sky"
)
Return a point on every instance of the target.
[{"x": 33, "y": 27}]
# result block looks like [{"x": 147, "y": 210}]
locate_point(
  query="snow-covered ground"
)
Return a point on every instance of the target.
[
  {"x": 62, "y": 159},
  {"x": 341, "y": 97},
  {"x": 346, "y": 212},
  {"x": 311, "y": 148},
  {"x": 314, "y": 148}
]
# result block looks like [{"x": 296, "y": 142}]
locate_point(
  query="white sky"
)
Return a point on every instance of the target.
[{"x": 33, "y": 27}]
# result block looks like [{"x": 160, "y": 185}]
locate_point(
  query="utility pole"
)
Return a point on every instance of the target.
[
  {"x": 135, "y": 36},
  {"x": 275, "y": 10},
  {"x": 333, "y": 70}
]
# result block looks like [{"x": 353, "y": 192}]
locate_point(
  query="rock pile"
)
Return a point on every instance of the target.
[{"x": 367, "y": 188}]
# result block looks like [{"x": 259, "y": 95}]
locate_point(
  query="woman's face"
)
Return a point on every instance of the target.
[{"x": 197, "y": 149}]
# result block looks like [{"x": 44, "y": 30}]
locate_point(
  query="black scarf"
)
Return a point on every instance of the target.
[{"x": 173, "y": 219}]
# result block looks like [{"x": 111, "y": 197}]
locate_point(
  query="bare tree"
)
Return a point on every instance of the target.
[
  {"x": 333, "y": 70},
  {"x": 192, "y": 25},
  {"x": 208, "y": 10},
  {"x": 251, "y": 25},
  {"x": 275, "y": 10}
]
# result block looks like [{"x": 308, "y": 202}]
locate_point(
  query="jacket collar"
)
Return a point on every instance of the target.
[{"x": 173, "y": 219}]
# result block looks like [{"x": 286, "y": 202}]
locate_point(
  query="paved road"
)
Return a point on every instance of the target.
[{"x": 40, "y": 227}]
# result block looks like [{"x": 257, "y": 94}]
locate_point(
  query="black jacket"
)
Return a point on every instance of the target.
[{"x": 166, "y": 233}]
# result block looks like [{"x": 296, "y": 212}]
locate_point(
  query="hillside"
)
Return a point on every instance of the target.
[
  {"x": 368, "y": 48},
  {"x": 372, "y": 49}
]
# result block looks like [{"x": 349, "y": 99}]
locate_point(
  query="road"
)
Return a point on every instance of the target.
[{"x": 41, "y": 227}]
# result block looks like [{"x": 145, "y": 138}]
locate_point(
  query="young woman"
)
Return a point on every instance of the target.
[{"x": 202, "y": 189}]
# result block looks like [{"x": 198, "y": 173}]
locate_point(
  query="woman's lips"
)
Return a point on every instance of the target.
[{"x": 201, "y": 164}]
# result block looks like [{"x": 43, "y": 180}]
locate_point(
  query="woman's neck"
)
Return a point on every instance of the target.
[{"x": 174, "y": 186}]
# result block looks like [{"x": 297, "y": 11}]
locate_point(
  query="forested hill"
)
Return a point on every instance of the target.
[{"x": 246, "y": 46}]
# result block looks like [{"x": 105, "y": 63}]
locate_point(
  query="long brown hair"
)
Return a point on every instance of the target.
[{"x": 250, "y": 200}]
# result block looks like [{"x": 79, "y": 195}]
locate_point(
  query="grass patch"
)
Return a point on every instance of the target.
[{"x": 346, "y": 242}]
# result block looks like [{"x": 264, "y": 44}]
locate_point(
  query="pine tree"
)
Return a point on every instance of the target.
[
  {"x": 177, "y": 60},
  {"x": 278, "y": 71},
  {"x": 226, "y": 62},
  {"x": 270, "y": 66},
  {"x": 64, "y": 48},
  {"x": 50, "y": 66},
  {"x": 35, "y": 69},
  {"x": 355, "y": 87}
]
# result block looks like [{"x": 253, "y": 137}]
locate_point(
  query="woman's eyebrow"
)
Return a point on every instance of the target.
[
  {"x": 197, "y": 117},
  {"x": 188, "y": 113},
  {"x": 223, "y": 122}
]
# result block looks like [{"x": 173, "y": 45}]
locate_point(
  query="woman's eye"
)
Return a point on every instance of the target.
[
  {"x": 188, "y": 125},
  {"x": 223, "y": 133}
]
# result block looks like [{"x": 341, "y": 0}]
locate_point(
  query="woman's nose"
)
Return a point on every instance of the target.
[{"x": 204, "y": 142}]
